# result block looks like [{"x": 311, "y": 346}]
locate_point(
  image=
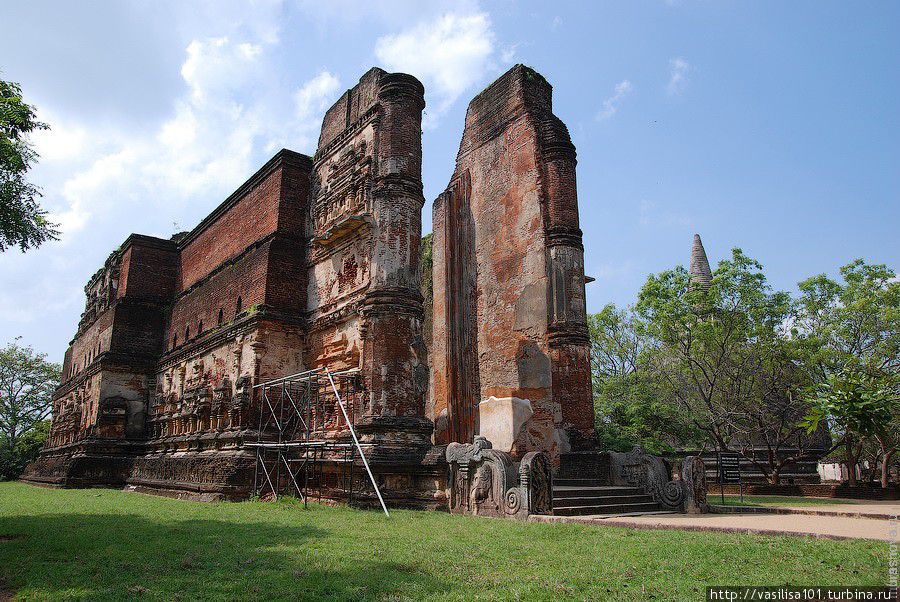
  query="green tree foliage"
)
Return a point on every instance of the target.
[
  {"x": 22, "y": 221},
  {"x": 737, "y": 366},
  {"x": 724, "y": 353},
  {"x": 629, "y": 402},
  {"x": 27, "y": 382},
  {"x": 857, "y": 407},
  {"x": 13, "y": 460},
  {"x": 854, "y": 324},
  {"x": 850, "y": 332},
  {"x": 701, "y": 366}
]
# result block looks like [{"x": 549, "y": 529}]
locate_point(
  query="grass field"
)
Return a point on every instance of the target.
[
  {"x": 776, "y": 500},
  {"x": 105, "y": 544}
]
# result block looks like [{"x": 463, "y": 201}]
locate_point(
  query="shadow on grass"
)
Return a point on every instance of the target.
[{"x": 109, "y": 556}]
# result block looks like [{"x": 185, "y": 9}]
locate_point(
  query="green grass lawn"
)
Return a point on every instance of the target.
[
  {"x": 105, "y": 544},
  {"x": 775, "y": 500}
]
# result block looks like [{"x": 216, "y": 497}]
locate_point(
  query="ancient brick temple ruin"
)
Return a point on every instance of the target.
[
  {"x": 313, "y": 265},
  {"x": 510, "y": 344}
]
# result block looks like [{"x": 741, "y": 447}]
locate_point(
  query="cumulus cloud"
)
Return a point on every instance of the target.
[
  {"x": 449, "y": 54},
  {"x": 678, "y": 76},
  {"x": 211, "y": 139},
  {"x": 611, "y": 104},
  {"x": 103, "y": 181}
]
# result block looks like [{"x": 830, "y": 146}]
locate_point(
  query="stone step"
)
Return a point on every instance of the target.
[
  {"x": 570, "y": 491},
  {"x": 594, "y": 500},
  {"x": 577, "y": 482},
  {"x": 606, "y": 509}
]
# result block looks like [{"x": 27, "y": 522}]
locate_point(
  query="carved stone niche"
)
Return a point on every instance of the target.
[
  {"x": 221, "y": 397},
  {"x": 651, "y": 473},
  {"x": 112, "y": 411},
  {"x": 693, "y": 476},
  {"x": 488, "y": 482},
  {"x": 240, "y": 402}
]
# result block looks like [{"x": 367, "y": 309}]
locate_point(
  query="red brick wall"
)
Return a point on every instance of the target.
[
  {"x": 149, "y": 271},
  {"x": 245, "y": 278},
  {"x": 253, "y": 217},
  {"x": 137, "y": 330},
  {"x": 517, "y": 215},
  {"x": 84, "y": 346}
]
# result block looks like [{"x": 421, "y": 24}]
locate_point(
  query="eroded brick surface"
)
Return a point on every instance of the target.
[
  {"x": 510, "y": 335},
  {"x": 312, "y": 263}
]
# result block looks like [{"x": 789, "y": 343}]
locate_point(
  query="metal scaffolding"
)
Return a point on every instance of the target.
[{"x": 298, "y": 417}]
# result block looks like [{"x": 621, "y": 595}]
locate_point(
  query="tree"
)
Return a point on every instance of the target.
[
  {"x": 22, "y": 221},
  {"x": 27, "y": 382},
  {"x": 727, "y": 360},
  {"x": 629, "y": 402},
  {"x": 13, "y": 461},
  {"x": 850, "y": 332},
  {"x": 857, "y": 407}
]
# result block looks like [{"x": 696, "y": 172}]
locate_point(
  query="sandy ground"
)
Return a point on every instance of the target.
[{"x": 828, "y": 522}]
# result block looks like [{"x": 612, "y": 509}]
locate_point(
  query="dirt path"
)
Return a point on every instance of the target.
[{"x": 832, "y": 527}]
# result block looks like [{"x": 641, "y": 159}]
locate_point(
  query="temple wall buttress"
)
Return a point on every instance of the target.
[{"x": 510, "y": 346}]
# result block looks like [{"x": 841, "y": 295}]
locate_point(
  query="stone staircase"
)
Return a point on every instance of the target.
[
  {"x": 580, "y": 497},
  {"x": 581, "y": 488}
]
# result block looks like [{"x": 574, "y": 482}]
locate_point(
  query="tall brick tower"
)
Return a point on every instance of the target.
[
  {"x": 366, "y": 308},
  {"x": 510, "y": 351}
]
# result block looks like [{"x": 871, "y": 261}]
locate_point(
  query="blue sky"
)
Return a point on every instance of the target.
[{"x": 773, "y": 126}]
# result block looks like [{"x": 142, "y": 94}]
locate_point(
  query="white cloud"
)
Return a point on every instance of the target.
[
  {"x": 313, "y": 98},
  {"x": 611, "y": 104},
  {"x": 210, "y": 142},
  {"x": 508, "y": 54},
  {"x": 678, "y": 75},
  {"x": 216, "y": 67},
  {"x": 234, "y": 111},
  {"x": 449, "y": 54},
  {"x": 555, "y": 23},
  {"x": 61, "y": 143}
]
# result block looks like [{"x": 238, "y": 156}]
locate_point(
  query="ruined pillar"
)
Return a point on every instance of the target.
[
  {"x": 364, "y": 292},
  {"x": 510, "y": 344},
  {"x": 392, "y": 308}
]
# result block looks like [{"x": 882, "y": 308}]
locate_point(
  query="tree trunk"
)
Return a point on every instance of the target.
[
  {"x": 851, "y": 461},
  {"x": 886, "y": 466}
]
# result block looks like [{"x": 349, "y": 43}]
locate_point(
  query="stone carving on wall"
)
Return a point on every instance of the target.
[
  {"x": 693, "y": 476},
  {"x": 111, "y": 416},
  {"x": 240, "y": 402},
  {"x": 487, "y": 482},
  {"x": 100, "y": 291},
  {"x": 220, "y": 401},
  {"x": 637, "y": 468},
  {"x": 342, "y": 200},
  {"x": 536, "y": 477}
]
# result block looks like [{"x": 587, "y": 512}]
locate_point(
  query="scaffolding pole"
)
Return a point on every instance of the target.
[
  {"x": 358, "y": 446},
  {"x": 294, "y": 419}
]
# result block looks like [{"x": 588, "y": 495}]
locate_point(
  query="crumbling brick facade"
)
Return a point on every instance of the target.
[
  {"x": 510, "y": 342},
  {"x": 314, "y": 263}
]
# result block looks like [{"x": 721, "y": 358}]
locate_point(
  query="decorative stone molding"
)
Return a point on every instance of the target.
[
  {"x": 637, "y": 468},
  {"x": 693, "y": 477},
  {"x": 487, "y": 482}
]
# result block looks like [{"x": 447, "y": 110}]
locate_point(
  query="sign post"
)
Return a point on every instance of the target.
[{"x": 730, "y": 473}]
